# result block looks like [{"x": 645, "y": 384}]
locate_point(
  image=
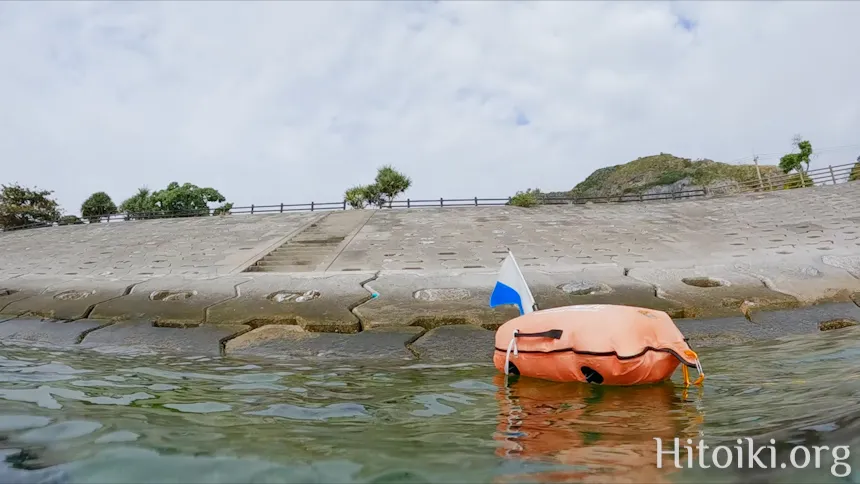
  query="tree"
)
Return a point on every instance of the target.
[
  {"x": 21, "y": 206},
  {"x": 96, "y": 206},
  {"x": 140, "y": 205},
  {"x": 363, "y": 195},
  {"x": 389, "y": 183},
  {"x": 795, "y": 161},
  {"x": 186, "y": 200}
]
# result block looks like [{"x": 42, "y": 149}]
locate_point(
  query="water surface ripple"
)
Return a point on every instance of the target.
[{"x": 79, "y": 416}]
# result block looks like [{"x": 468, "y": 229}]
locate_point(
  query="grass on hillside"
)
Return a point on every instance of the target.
[{"x": 663, "y": 169}]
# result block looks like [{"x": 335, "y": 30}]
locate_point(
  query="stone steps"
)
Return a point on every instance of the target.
[{"x": 314, "y": 248}]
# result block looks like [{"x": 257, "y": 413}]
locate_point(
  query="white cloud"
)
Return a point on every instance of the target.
[{"x": 291, "y": 102}]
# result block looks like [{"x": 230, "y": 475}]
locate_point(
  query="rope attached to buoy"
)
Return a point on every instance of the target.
[{"x": 511, "y": 346}]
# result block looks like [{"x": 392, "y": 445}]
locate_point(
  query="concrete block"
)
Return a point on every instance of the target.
[
  {"x": 850, "y": 263},
  {"x": 598, "y": 285},
  {"x": 462, "y": 342},
  {"x": 713, "y": 291},
  {"x": 17, "y": 289},
  {"x": 70, "y": 299},
  {"x": 812, "y": 319},
  {"x": 808, "y": 279},
  {"x": 314, "y": 301},
  {"x": 433, "y": 299},
  {"x": 704, "y": 333},
  {"x": 293, "y": 342},
  {"x": 58, "y": 333},
  {"x": 143, "y": 335},
  {"x": 169, "y": 301}
]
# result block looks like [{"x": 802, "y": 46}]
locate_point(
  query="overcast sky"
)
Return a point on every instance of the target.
[{"x": 291, "y": 102}]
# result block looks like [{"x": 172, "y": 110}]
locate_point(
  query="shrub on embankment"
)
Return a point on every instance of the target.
[
  {"x": 387, "y": 186},
  {"x": 22, "y": 207}
]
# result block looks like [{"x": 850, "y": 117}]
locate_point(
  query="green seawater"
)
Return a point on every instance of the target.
[{"x": 81, "y": 416}]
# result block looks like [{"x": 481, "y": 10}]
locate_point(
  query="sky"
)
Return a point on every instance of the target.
[{"x": 294, "y": 102}]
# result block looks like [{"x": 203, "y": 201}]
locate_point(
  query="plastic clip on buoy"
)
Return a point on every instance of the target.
[{"x": 692, "y": 355}]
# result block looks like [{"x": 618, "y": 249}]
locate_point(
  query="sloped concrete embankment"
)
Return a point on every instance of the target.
[{"x": 429, "y": 315}]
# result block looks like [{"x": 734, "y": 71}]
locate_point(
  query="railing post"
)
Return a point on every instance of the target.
[
  {"x": 312, "y": 206},
  {"x": 282, "y": 207},
  {"x": 832, "y": 176},
  {"x": 641, "y": 197},
  {"x": 441, "y": 202},
  {"x": 476, "y": 201},
  {"x": 408, "y": 203},
  {"x": 344, "y": 204},
  {"x": 252, "y": 209}
]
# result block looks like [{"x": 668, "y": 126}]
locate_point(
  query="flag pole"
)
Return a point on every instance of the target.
[{"x": 534, "y": 304}]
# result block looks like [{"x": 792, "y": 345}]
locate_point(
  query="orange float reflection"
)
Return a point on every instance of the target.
[{"x": 607, "y": 432}]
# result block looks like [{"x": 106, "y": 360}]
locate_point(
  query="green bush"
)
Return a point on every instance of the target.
[
  {"x": 528, "y": 198},
  {"x": 96, "y": 206},
  {"x": 388, "y": 185},
  {"x": 855, "y": 172}
]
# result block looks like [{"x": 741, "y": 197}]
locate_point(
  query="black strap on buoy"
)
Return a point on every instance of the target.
[{"x": 553, "y": 333}]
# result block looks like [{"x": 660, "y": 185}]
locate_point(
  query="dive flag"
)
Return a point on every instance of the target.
[{"x": 511, "y": 287}]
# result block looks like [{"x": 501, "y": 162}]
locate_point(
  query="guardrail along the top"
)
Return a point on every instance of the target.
[{"x": 829, "y": 175}]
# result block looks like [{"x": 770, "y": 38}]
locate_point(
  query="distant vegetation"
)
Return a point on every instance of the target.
[
  {"x": 666, "y": 173},
  {"x": 855, "y": 172},
  {"x": 795, "y": 161},
  {"x": 186, "y": 200},
  {"x": 650, "y": 174},
  {"x": 21, "y": 206},
  {"x": 387, "y": 186},
  {"x": 97, "y": 205}
]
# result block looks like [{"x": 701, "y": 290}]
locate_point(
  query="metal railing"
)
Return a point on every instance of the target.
[
  {"x": 821, "y": 176},
  {"x": 828, "y": 175}
]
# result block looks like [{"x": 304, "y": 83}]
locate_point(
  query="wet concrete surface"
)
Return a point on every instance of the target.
[
  {"x": 50, "y": 331},
  {"x": 282, "y": 341},
  {"x": 142, "y": 335},
  {"x": 458, "y": 343},
  {"x": 448, "y": 343}
]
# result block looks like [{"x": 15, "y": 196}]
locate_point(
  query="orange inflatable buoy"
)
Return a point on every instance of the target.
[{"x": 595, "y": 343}]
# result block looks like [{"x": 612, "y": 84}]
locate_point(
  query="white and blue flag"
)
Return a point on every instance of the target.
[{"x": 511, "y": 287}]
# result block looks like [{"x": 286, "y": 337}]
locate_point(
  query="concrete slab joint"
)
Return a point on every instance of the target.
[
  {"x": 63, "y": 299},
  {"x": 314, "y": 302},
  {"x": 169, "y": 301},
  {"x": 714, "y": 291}
]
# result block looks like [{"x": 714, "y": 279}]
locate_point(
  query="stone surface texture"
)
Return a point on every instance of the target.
[
  {"x": 727, "y": 269},
  {"x": 190, "y": 247}
]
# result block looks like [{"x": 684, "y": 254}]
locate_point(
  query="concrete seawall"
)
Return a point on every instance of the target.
[{"x": 727, "y": 269}]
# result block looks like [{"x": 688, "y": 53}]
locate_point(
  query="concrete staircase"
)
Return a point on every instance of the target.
[{"x": 316, "y": 247}]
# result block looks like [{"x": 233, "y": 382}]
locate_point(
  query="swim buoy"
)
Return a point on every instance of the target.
[{"x": 596, "y": 343}]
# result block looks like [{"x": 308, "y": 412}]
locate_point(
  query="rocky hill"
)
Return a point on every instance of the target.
[{"x": 663, "y": 173}]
